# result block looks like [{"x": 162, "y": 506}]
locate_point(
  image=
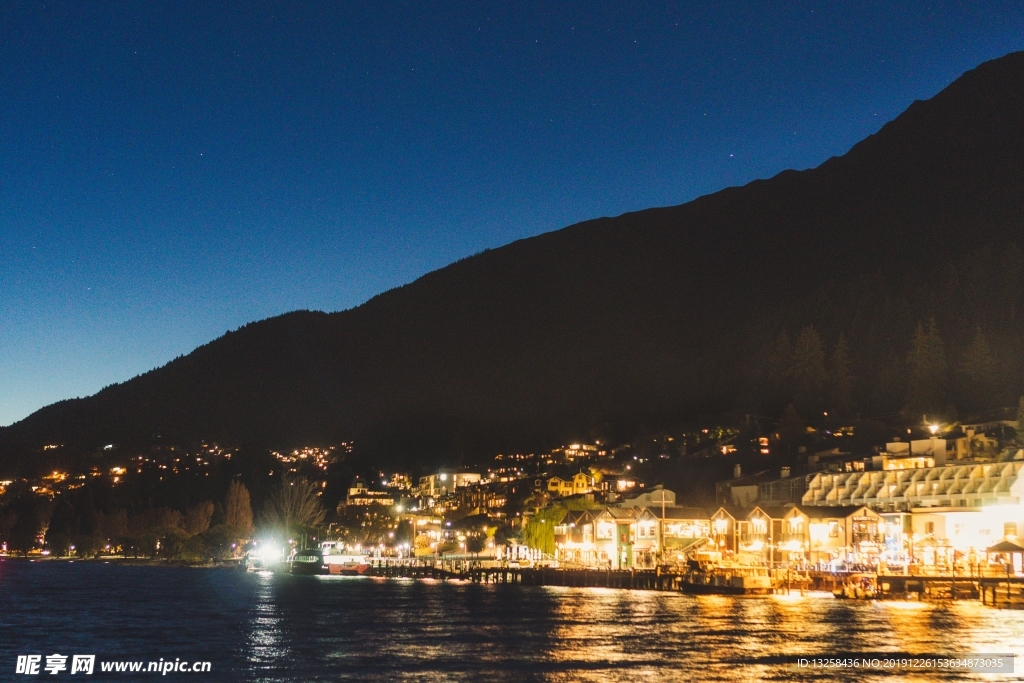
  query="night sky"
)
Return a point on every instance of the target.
[{"x": 172, "y": 171}]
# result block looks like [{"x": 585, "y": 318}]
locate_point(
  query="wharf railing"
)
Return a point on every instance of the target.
[
  {"x": 508, "y": 573},
  {"x": 988, "y": 586}
]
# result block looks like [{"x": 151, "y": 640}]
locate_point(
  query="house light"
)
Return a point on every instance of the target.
[
  {"x": 818, "y": 531},
  {"x": 933, "y": 428}
]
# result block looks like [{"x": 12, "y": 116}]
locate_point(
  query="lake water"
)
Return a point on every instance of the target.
[{"x": 254, "y": 627}]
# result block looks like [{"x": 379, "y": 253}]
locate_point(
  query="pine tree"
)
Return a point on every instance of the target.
[
  {"x": 979, "y": 370},
  {"x": 780, "y": 360},
  {"x": 1011, "y": 271},
  {"x": 807, "y": 371},
  {"x": 841, "y": 377},
  {"x": 927, "y": 365},
  {"x": 791, "y": 428},
  {"x": 1020, "y": 421}
]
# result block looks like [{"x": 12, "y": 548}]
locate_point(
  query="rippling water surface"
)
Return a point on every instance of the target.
[{"x": 291, "y": 628}]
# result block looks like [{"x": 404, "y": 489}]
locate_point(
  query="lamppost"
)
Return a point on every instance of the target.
[
  {"x": 934, "y": 429},
  {"x": 661, "y": 529}
]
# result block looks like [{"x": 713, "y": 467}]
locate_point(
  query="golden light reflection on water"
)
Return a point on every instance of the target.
[
  {"x": 603, "y": 633},
  {"x": 451, "y": 631},
  {"x": 265, "y": 643}
]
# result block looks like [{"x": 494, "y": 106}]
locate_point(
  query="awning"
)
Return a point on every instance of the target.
[{"x": 1005, "y": 547}]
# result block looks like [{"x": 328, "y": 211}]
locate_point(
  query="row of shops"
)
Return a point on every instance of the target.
[
  {"x": 623, "y": 538},
  {"x": 799, "y": 536}
]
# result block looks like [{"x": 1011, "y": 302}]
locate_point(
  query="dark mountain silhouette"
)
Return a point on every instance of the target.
[{"x": 647, "y": 318}]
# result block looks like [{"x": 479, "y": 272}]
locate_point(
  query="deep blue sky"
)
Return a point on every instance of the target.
[{"x": 169, "y": 171}]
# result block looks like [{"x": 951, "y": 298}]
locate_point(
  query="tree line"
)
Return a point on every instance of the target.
[
  {"x": 947, "y": 343},
  {"x": 73, "y": 524}
]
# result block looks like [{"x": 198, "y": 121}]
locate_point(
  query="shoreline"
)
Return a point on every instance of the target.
[{"x": 132, "y": 562}]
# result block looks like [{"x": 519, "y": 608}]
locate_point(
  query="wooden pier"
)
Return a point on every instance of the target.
[
  {"x": 928, "y": 587},
  {"x": 991, "y": 590},
  {"x": 639, "y": 579},
  {"x": 636, "y": 579},
  {"x": 1002, "y": 592}
]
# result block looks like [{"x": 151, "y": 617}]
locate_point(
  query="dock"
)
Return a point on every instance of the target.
[
  {"x": 995, "y": 591},
  {"x": 658, "y": 579},
  {"x": 638, "y": 579},
  {"x": 1006, "y": 592}
]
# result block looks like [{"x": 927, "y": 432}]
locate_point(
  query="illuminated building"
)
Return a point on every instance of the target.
[
  {"x": 849, "y": 533},
  {"x": 664, "y": 536},
  {"x": 581, "y": 482},
  {"x": 934, "y": 515},
  {"x": 574, "y": 539},
  {"x": 891, "y": 490},
  {"x": 657, "y": 496},
  {"x": 445, "y": 481},
  {"x": 614, "y": 535}
]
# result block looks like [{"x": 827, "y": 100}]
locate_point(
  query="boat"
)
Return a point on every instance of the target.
[
  {"x": 857, "y": 587},
  {"x": 307, "y": 561},
  {"x": 336, "y": 561},
  {"x": 263, "y": 557},
  {"x": 727, "y": 580}
]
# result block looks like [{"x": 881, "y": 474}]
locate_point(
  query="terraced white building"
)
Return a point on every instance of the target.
[
  {"x": 952, "y": 486},
  {"x": 939, "y": 515}
]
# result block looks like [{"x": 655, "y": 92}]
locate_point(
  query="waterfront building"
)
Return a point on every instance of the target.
[
  {"x": 631, "y": 537},
  {"x": 946, "y": 537},
  {"x": 849, "y": 534},
  {"x": 972, "y": 485},
  {"x": 763, "y": 534},
  {"x": 753, "y": 534},
  {"x": 428, "y": 532},
  {"x": 667, "y": 535},
  {"x": 942, "y": 507},
  {"x": 575, "y": 543},
  {"x": 614, "y": 530},
  {"x": 727, "y": 523}
]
